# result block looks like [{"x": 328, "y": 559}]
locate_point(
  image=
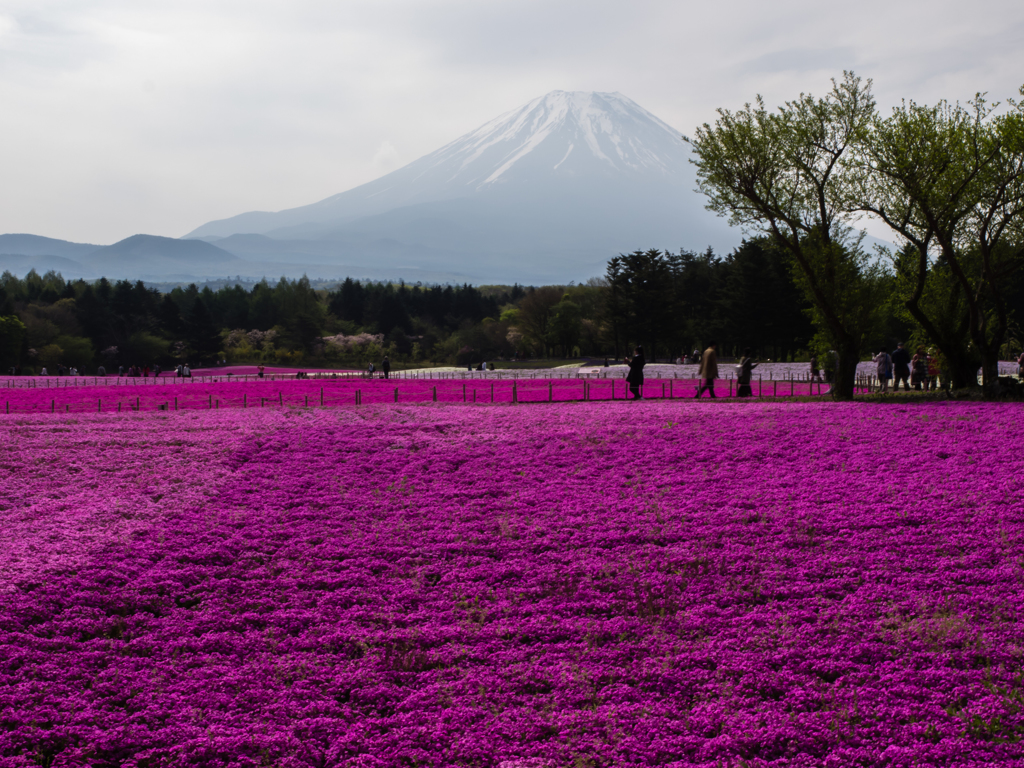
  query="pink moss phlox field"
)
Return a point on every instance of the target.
[
  {"x": 83, "y": 397},
  {"x": 612, "y": 584}
]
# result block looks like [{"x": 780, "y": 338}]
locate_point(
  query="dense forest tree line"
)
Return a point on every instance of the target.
[{"x": 672, "y": 303}]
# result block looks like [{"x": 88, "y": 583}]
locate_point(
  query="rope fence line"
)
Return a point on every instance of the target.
[
  {"x": 55, "y": 382},
  {"x": 307, "y": 393}
]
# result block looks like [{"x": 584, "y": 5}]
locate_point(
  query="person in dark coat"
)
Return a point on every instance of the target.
[
  {"x": 901, "y": 367},
  {"x": 385, "y": 366},
  {"x": 635, "y": 377}
]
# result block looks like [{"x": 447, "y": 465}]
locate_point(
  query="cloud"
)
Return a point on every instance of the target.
[
  {"x": 387, "y": 157},
  {"x": 804, "y": 60}
]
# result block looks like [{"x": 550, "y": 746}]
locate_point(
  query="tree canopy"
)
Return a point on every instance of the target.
[{"x": 948, "y": 180}]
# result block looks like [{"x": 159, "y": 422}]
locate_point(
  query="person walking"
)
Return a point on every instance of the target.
[
  {"x": 746, "y": 373},
  {"x": 919, "y": 369},
  {"x": 1020, "y": 366},
  {"x": 635, "y": 377},
  {"x": 901, "y": 368},
  {"x": 385, "y": 366},
  {"x": 815, "y": 370},
  {"x": 708, "y": 370},
  {"x": 884, "y": 363},
  {"x": 260, "y": 369},
  {"x": 934, "y": 368}
]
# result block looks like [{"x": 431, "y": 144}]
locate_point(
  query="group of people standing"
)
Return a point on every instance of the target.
[
  {"x": 920, "y": 372},
  {"x": 62, "y": 370},
  {"x": 385, "y": 368},
  {"x": 134, "y": 371}
]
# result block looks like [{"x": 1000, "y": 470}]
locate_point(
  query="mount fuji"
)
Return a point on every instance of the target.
[{"x": 547, "y": 192}]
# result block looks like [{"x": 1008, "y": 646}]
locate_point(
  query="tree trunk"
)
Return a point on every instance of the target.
[
  {"x": 846, "y": 371},
  {"x": 962, "y": 369},
  {"x": 989, "y": 349},
  {"x": 990, "y": 370}
]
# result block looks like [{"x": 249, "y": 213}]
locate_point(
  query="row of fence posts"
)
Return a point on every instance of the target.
[
  {"x": 31, "y": 382},
  {"x": 214, "y": 405}
]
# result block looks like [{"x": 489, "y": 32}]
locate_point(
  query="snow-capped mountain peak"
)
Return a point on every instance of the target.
[
  {"x": 572, "y": 175},
  {"x": 575, "y": 137},
  {"x": 608, "y": 126}
]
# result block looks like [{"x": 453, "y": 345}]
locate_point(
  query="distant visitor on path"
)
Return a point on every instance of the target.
[
  {"x": 259, "y": 370},
  {"x": 934, "y": 368},
  {"x": 884, "y": 363},
  {"x": 901, "y": 367},
  {"x": 369, "y": 371},
  {"x": 746, "y": 372},
  {"x": 1020, "y": 366},
  {"x": 385, "y": 366},
  {"x": 635, "y": 377},
  {"x": 919, "y": 369},
  {"x": 708, "y": 370},
  {"x": 815, "y": 370}
]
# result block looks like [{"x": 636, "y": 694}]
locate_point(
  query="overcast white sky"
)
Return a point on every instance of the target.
[{"x": 127, "y": 116}]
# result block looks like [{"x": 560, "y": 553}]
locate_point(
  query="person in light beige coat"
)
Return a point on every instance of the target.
[{"x": 708, "y": 370}]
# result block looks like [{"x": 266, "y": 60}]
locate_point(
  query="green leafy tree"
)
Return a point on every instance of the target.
[
  {"x": 641, "y": 300},
  {"x": 779, "y": 174},
  {"x": 12, "y": 335},
  {"x": 949, "y": 181},
  {"x": 565, "y": 325},
  {"x": 76, "y": 351},
  {"x": 202, "y": 335},
  {"x": 535, "y": 313},
  {"x": 761, "y": 307}
]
